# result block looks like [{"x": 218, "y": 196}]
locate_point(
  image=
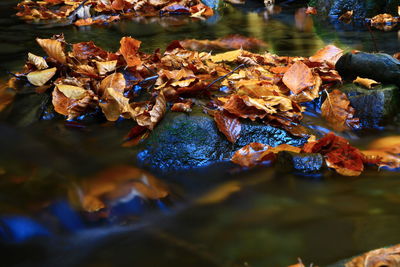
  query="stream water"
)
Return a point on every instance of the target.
[{"x": 216, "y": 218}]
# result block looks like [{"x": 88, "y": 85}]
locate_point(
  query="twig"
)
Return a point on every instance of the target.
[
  {"x": 372, "y": 37},
  {"x": 226, "y": 75}
]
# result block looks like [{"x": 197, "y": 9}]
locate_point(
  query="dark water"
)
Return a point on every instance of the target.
[{"x": 217, "y": 216}]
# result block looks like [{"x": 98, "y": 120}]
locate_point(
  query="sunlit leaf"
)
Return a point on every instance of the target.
[
  {"x": 53, "y": 48},
  {"x": 106, "y": 66},
  {"x": 227, "y": 56},
  {"x": 298, "y": 77},
  {"x": 41, "y": 77},
  {"x": 129, "y": 50},
  {"x": 229, "y": 125},
  {"x": 367, "y": 83},
  {"x": 39, "y": 62},
  {"x": 329, "y": 54},
  {"x": 72, "y": 92}
]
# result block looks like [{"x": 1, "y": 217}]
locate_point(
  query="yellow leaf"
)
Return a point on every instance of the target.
[
  {"x": 70, "y": 91},
  {"x": 367, "y": 83},
  {"x": 107, "y": 66},
  {"x": 227, "y": 56},
  {"x": 41, "y": 77}
]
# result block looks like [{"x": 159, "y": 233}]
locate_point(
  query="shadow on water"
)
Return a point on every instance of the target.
[{"x": 215, "y": 216}]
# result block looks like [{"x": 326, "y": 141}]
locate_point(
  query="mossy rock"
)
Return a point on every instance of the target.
[{"x": 183, "y": 141}]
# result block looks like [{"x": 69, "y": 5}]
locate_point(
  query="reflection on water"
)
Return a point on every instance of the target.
[{"x": 215, "y": 216}]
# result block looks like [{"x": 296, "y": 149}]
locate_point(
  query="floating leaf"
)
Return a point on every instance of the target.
[{"x": 41, "y": 77}]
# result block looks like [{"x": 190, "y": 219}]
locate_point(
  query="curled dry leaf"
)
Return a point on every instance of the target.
[
  {"x": 367, "y": 83},
  {"x": 129, "y": 50},
  {"x": 39, "y": 62},
  {"x": 153, "y": 116},
  {"x": 255, "y": 153},
  {"x": 383, "y": 257},
  {"x": 229, "y": 125},
  {"x": 116, "y": 81},
  {"x": 337, "y": 110},
  {"x": 41, "y": 77},
  {"x": 298, "y": 77},
  {"x": 329, "y": 54},
  {"x": 88, "y": 50},
  {"x": 115, "y": 104},
  {"x": 106, "y": 66},
  {"x": 54, "y": 49}
]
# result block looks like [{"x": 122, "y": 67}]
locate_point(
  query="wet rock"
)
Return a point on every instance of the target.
[
  {"x": 300, "y": 162},
  {"x": 379, "y": 67},
  {"x": 375, "y": 107},
  {"x": 361, "y": 8},
  {"x": 191, "y": 140}
]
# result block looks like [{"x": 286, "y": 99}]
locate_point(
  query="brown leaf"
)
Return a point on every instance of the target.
[
  {"x": 153, "y": 116},
  {"x": 339, "y": 154},
  {"x": 115, "y": 104},
  {"x": 116, "y": 81},
  {"x": 106, "y": 66},
  {"x": 337, "y": 110},
  {"x": 329, "y": 54},
  {"x": 298, "y": 77},
  {"x": 88, "y": 50},
  {"x": 383, "y": 257},
  {"x": 54, "y": 49},
  {"x": 229, "y": 125},
  {"x": 182, "y": 107},
  {"x": 129, "y": 50},
  {"x": 41, "y": 77},
  {"x": 255, "y": 153}
]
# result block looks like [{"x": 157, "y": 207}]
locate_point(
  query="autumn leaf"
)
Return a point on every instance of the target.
[
  {"x": 298, "y": 77},
  {"x": 72, "y": 92},
  {"x": 152, "y": 117},
  {"x": 389, "y": 257},
  {"x": 104, "y": 67},
  {"x": 329, "y": 54},
  {"x": 115, "y": 104},
  {"x": 129, "y": 50},
  {"x": 339, "y": 154},
  {"x": 367, "y": 83},
  {"x": 88, "y": 50},
  {"x": 41, "y": 77},
  {"x": 54, "y": 49},
  {"x": 337, "y": 110},
  {"x": 116, "y": 81},
  {"x": 182, "y": 107},
  {"x": 229, "y": 125},
  {"x": 255, "y": 153},
  {"x": 227, "y": 56},
  {"x": 39, "y": 62}
]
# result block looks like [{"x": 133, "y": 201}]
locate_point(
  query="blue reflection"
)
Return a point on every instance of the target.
[
  {"x": 67, "y": 216},
  {"x": 19, "y": 229}
]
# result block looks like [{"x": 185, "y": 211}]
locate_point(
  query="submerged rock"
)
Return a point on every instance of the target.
[
  {"x": 379, "y": 67},
  {"x": 305, "y": 163},
  {"x": 191, "y": 140},
  {"x": 375, "y": 107}
]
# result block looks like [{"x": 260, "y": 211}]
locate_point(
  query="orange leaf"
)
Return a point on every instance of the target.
[
  {"x": 298, "y": 77},
  {"x": 329, "y": 54},
  {"x": 53, "y": 48},
  {"x": 228, "y": 125},
  {"x": 129, "y": 50}
]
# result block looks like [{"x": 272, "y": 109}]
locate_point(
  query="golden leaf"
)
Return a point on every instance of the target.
[
  {"x": 41, "y": 77},
  {"x": 227, "y": 56},
  {"x": 367, "y": 83},
  {"x": 39, "y": 62},
  {"x": 116, "y": 104},
  {"x": 106, "y": 66},
  {"x": 298, "y": 77},
  {"x": 115, "y": 81},
  {"x": 54, "y": 49},
  {"x": 72, "y": 92}
]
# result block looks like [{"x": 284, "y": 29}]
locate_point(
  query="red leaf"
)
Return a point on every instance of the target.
[{"x": 229, "y": 125}]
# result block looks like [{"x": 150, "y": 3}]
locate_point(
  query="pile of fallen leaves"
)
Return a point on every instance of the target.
[
  {"x": 88, "y": 12},
  {"x": 232, "y": 86}
]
